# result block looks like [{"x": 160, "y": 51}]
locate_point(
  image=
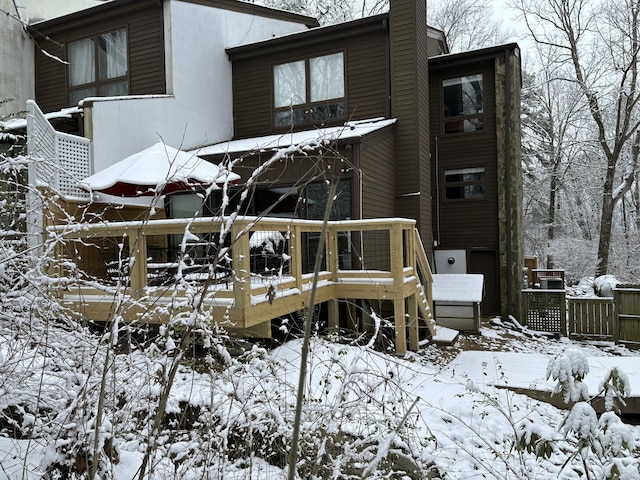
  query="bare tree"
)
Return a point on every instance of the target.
[
  {"x": 326, "y": 11},
  {"x": 467, "y": 24},
  {"x": 552, "y": 115},
  {"x": 600, "y": 43}
]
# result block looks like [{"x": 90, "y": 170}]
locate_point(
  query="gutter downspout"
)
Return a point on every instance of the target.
[{"x": 437, "y": 174}]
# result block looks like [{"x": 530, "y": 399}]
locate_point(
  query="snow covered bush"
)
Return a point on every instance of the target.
[
  {"x": 600, "y": 447},
  {"x": 569, "y": 369},
  {"x": 603, "y": 285}
]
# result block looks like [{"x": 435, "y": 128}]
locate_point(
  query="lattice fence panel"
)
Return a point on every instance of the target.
[
  {"x": 545, "y": 310},
  {"x": 41, "y": 145},
  {"x": 61, "y": 160},
  {"x": 74, "y": 157}
]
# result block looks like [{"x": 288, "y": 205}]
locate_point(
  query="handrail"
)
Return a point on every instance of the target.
[
  {"x": 423, "y": 266},
  {"x": 205, "y": 224},
  {"x": 242, "y": 226}
]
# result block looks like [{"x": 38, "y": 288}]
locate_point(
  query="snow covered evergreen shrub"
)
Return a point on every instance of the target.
[{"x": 598, "y": 447}]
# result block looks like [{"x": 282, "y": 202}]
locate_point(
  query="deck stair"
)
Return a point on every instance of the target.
[{"x": 244, "y": 289}]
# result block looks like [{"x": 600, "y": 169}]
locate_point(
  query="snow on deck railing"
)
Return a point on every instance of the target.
[{"x": 61, "y": 160}]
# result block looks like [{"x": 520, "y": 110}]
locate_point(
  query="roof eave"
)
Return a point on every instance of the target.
[
  {"x": 309, "y": 37},
  {"x": 448, "y": 59}
]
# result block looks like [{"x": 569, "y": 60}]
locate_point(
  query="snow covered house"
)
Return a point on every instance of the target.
[
  {"x": 425, "y": 135},
  {"x": 411, "y": 130}
]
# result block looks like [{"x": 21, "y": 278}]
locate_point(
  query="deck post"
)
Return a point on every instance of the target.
[
  {"x": 332, "y": 252},
  {"x": 397, "y": 262},
  {"x": 137, "y": 261},
  {"x": 400, "y": 326},
  {"x": 395, "y": 243},
  {"x": 352, "y": 321},
  {"x": 241, "y": 269},
  {"x": 334, "y": 315},
  {"x": 410, "y": 240},
  {"x": 295, "y": 254},
  {"x": 412, "y": 314}
]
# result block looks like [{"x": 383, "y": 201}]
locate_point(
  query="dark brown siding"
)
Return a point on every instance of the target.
[
  {"x": 378, "y": 184},
  {"x": 474, "y": 222},
  {"x": 410, "y": 105},
  {"x": 366, "y": 80},
  {"x": 144, "y": 22}
]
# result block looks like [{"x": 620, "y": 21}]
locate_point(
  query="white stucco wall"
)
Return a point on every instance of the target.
[
  {"x": 17, "y": 49},
  {"x": 200, "y": 111}
]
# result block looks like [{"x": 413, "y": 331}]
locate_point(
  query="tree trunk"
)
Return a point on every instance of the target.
[
  {"x": 606, "y": 219},
  {"x": 551, "y": 217}
]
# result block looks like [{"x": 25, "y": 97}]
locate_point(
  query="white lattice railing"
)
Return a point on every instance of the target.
[{"x": 61, "y": 160}]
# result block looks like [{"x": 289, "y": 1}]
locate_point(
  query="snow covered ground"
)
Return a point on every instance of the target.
[{"x": 440, "y": 407}]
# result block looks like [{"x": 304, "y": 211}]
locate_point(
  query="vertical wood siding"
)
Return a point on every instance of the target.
[
  {"x": 378, "y": 179},
  {"x": 410, "y": 105},
  {"x": 473, "y": 222},
  {"x": 366, "y": 81},
  {"x": 145, "y": 30}
]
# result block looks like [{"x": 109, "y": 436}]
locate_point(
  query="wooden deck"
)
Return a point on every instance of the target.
[{"x": 242, "y": 282}]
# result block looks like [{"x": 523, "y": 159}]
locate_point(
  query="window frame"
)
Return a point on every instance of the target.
[
  {"x": 463, "y": 183},
  {"x": 461, "y": 120},
  {"x": 303, "y": 112},
  {"x": 98, "y": 83}
]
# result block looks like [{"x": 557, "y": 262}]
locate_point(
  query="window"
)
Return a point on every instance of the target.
[
  {"x": 98, "y": 66},
  {"x": 464, "y": 183},
  {"x": 309, "y": 91},
  {"x": 463, "y": 104}
]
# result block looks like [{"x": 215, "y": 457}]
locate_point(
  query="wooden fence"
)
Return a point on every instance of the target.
[
  {"x": 591, "y": 317},
  {"x": 614, "y": 318},
  {"x": 627, "y": 313}
]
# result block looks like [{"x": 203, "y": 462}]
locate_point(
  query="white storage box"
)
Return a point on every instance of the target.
[{"x": 457, "y": 299}]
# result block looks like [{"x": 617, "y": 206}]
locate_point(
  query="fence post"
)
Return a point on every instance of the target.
[{"x": 616, "y": 319}]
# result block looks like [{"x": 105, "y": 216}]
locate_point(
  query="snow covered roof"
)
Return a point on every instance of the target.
[
  {"x": 21, "y": 123},
  {"x": 457, "y": 287},
  {"x": 348, "y": 131}
]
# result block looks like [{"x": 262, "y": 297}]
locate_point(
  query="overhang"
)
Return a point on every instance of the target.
[{"x": 349, "y": 133}]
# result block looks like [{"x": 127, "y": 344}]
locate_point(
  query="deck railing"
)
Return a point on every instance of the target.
[{"x": 260, "y": 271}]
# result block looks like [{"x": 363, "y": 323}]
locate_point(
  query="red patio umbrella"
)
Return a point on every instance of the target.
[{"x": 159, "y": 169}]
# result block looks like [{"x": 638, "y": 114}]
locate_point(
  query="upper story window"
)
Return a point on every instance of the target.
[
  {"x": 464, "y": 183},
  {"x": 309, "y": 91},
  {"x": 463, "y": 104},
  {"x": 98, "y": 66}
]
